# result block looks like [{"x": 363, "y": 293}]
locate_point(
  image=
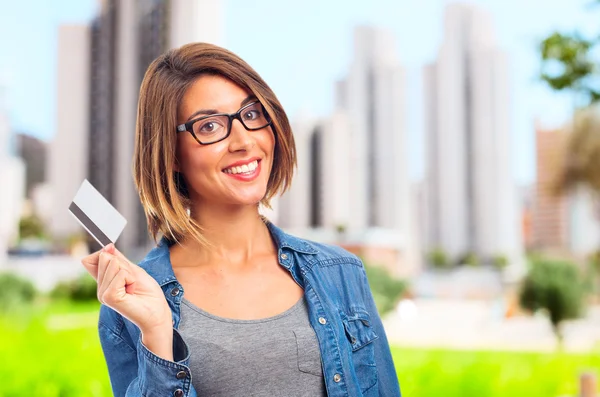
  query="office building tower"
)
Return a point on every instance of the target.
[
  {"x": 12, "y": 177},
  {"x": 68, "y": 151},
  {"x": 472, "y": 203},
  {"x": 33, "y": 153},
  {"x": 124, "y": 39},
  {"x": 550, "y": 209},
  {"x": 372, "y": 97},
  {"x": 294, "y": 207}
]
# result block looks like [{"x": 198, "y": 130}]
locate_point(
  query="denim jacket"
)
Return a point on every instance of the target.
[{"x": 356, "y": 358}]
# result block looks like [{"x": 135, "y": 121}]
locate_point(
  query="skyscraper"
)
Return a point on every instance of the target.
[
  {"x": 12, "y": 177},
  {"x": 123, "y": 40},
  {"x": 295, "y": 206},
  {"x": 372, "y": 97},
  {"x": 33, "y": 152},
  {"x": 550, "y": 210},
  {"x": 472, "y": 204},
  {"x": 68, "y": 151},
  {"x": 352, "y": 185}
]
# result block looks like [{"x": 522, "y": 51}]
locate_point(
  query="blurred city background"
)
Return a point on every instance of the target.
[{"x": 453, "y": 146}]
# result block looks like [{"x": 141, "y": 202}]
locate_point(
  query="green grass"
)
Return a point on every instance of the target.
[
  {"x": 41, "y": 356},
  {"x": 52, "y": 350},
  {"x": 432, "y": 373}
]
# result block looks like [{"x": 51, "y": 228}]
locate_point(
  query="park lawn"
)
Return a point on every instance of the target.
[
  {"x": 52, "y": 350},
  {"x": 459, "y": 373}
]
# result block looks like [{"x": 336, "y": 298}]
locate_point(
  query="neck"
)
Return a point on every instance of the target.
[{"x": 235, "y": 234}]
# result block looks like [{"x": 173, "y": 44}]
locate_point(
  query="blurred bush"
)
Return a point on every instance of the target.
[
  {"x": 438, "y": 259},
  {"x": 468, "y": 259},
  {"x": 32, "y": 227},
  {"x": 82, "y": 288},
  {"x": 499, "y": 261},
  {"x": 386, "y": 289},
  {"x": 555, "y": 287},
  {"x": 14, "y": 291}
]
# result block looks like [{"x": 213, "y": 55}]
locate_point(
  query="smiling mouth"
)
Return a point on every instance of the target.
[{"x": 242, "y": 169}]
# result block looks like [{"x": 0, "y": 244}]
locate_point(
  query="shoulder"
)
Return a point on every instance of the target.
[
  {"x": 330, "y": 255},
  {"x": 312, "y": 252}
]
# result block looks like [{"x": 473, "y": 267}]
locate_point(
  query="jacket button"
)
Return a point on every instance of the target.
[
  {"x": 181, "y": 375},
  {"x": 337, "y": 378},
  {"x": 284, "y": 256},
  {"x": 175, "y": 291},
  {"x": 322, "y": 320},
  {"x": 178, "y": 393}
]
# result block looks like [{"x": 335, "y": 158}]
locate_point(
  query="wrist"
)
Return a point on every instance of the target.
[{"x": 159, "y": 340}]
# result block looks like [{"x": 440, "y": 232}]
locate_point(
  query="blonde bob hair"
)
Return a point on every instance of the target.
[{"x": 163, "y": 192}]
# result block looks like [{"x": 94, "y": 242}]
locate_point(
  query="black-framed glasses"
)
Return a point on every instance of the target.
[{"x": 216, "y": 127}]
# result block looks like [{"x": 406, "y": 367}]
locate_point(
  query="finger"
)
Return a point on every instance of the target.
[
  {"x": 110, "y": 248},
  {"x": 129, "y": 265},
  {"x": 116, "y": 293},
  {"x": 103, "y": 264},
  {"x": 90, "y": 263},
  {"x": 111, "y": 271}
]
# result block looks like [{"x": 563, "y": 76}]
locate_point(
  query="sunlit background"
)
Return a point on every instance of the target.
[{"x": 453, "y": 146}]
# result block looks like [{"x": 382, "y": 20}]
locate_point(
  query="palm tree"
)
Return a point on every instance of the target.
[
  {"x": 582, "y": 161},
  {"x": 568, "y": 64}
]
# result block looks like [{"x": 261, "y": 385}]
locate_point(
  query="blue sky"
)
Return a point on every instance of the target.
[{"x": 302, "y": 48}]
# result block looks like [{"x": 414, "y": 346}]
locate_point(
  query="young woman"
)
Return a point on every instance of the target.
[{"x": 228, "y": 304}]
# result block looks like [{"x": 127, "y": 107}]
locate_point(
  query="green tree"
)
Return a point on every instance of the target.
[
  {"x": 568, "y": 65},
  {"x": 555, "y": 287}
]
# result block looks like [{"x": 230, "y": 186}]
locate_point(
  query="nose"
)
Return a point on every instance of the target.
[{"x": 240, "y": 138}]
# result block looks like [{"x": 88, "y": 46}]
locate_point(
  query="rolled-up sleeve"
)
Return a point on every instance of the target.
[{"x": 135, "y": 371}]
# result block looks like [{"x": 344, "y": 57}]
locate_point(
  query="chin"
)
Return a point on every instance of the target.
[{"x": 248, "y": 199}]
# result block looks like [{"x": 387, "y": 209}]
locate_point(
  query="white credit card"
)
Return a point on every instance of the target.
[{"x": 97, "y": 215}]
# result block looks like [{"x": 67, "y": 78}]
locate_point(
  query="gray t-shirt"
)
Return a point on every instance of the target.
[{"x": 275, "y": 356}]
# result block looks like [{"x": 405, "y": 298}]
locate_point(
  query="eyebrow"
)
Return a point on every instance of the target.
[{"x": 208, "y": 112}]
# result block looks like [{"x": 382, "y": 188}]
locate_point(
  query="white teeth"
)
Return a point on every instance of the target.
[{"x": 246, "y": 168}]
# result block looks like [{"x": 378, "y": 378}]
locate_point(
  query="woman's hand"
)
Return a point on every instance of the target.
[{"x": 129, "y": 290}]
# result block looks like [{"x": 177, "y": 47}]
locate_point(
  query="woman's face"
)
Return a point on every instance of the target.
[{"x": 223, "y": 172}]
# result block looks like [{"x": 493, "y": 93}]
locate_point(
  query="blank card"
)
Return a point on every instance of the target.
[{"x": 97, "y": 215}]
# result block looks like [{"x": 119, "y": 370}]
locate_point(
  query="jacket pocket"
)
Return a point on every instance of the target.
[
  {"x": 360, "y": 334},
  {"x": 309, "y": 354}
]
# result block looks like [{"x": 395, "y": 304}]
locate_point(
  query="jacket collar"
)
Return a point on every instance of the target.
[
  {"x": 157, "y": 262},
  {"x": 284, "y": 240}
]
